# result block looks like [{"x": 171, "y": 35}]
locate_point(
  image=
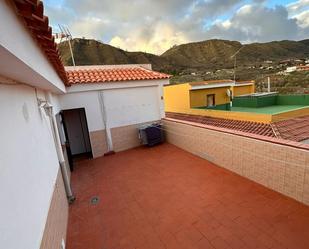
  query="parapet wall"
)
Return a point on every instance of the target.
[
  {"x": 269, "y": 100},
  {"x": 280, "y": 165}
]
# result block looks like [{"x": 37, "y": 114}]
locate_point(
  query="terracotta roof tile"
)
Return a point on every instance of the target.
[
  {"x": 101, "y": 75},
  {"x": 295, "y": 129},
  {"x": 238, "y": 125},
  {"x": 32, "y": 13}
]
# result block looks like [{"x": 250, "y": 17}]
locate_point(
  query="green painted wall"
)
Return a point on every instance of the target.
[
  {"x": 293, "y": 99},
  {"x": 266, "y": 101},
  {"x": 255, "y": 102},
  {"x": 244, "y": 102},
  {"x": 262, "y": 101}
]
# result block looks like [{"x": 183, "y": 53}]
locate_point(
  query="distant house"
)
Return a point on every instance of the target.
[
  {"x": 297, "y": 68},
  {"x": 302, "y": 68},
  {"x": 229, "y": 100},
  {"x": 291, "y": 69},
  {"x": 216, "y": 94}
]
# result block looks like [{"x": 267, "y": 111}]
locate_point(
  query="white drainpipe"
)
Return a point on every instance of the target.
[
  {"x": 63, "y": 167},
  {"x": 109, "y": 141}
]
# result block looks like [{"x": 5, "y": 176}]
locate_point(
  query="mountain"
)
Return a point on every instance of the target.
[
  {"x": 204, "y": 55},
  {"x": 204, "y": 60},
  {"x": 92, "y": 52},
  {"x": 216, "y": 54},
  {"x": 211, "y": 54}
]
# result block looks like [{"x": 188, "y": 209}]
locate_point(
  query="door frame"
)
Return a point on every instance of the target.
[
  {"x": 67, "y": 143},
  {"x": 214, "y": 99}
]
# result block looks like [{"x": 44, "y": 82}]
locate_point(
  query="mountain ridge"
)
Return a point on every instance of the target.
[{"x": 203, "y": 55}]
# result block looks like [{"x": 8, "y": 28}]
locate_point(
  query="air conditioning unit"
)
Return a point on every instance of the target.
[{"x": 152, "y": 134}]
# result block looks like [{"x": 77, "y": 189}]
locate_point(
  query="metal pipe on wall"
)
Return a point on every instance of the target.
[{"x": 63, "y": 167}]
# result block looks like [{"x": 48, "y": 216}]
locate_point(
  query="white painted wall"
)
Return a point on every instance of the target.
[
  {"x": 117, "y": 104},
  {"x": 28, "y": 168},
  {"x": 129, "y": 106},
  {"x": 125, "y": 103},
  {"x": 54, "y": 99},
  {"x": 21, "y": 57},
  {"x": 87, "y": 100}
]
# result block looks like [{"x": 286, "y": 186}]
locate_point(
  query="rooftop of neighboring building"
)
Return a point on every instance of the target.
[
  {"x": 294, "y": 129},
  {"x": 112, "y": 73},
  {"x": 273, "y": 109},
  {"x": 270, "y": 103},
  {"x": 216, "y": 82},
  {"x": 209, "y": 82}
]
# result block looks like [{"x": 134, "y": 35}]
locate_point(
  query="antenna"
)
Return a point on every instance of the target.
[
  {"x": 235, "y": 61},
  {"x": 66, "y": 34}
]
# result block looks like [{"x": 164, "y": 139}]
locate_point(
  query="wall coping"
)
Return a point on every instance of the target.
[{"x": 279, "y": 141}]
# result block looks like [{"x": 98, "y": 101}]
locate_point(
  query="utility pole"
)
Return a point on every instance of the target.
[{"x": 235, "y": 66}]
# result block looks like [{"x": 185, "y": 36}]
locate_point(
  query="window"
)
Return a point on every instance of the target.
[{"x": 210, "y": 100}]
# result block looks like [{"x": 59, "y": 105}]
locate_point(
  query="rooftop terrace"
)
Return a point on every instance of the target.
[
  {"x": 271, "y": 103},
  {"x": 164, "y": 197},
  {"x": 274, "y": 109}
]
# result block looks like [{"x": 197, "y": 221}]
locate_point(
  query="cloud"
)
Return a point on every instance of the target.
[
  {"x": 154, "y": 26},
  {"x": 90, "y": 27},
  {"x": 257, "y": 23},
  {"x": 300, "y": 11},
  {"x": 156, "y": 39},
  {"x": 303, "y": 19},
  {"x": 298, "y": 6},
  {"x": 212, "y": 8}
]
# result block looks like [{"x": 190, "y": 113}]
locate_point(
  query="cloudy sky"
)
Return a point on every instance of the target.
[{"x": 156, "y": 25}]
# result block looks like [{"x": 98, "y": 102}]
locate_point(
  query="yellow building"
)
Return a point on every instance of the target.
[
  {"x": 213, "y": 99},
  {"x": 213, "y": 95}
]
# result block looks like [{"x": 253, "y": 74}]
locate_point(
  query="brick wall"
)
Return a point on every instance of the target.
[
  {"x": 56, "y": 224},
  {"x": 279, "y": 167}
]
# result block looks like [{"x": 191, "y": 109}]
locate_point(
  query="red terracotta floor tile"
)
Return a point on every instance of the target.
[{"x": 164, "y": 197}]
